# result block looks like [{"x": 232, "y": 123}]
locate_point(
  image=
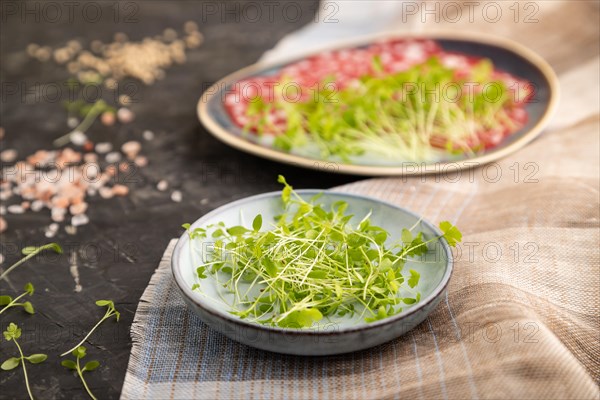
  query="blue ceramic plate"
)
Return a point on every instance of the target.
[
  {"x": 506, "y": 55},
  {"x": 331, "y": 336}
]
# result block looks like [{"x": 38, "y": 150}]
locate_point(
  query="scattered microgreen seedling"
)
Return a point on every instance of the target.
[
  {"x": 315, "y": 262},
  {"x": 90, "y": 113},
  {"x": 12, "y": 333},
  {"x": 110, "y": 311},
  {"x": 29, "y": 252},
  {"x": 79, "y": 353},
  {"x": 9, "y": 302}
]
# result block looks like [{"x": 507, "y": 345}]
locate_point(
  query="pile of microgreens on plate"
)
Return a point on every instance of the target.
[
  {"x": 314, "y": 263},
  {"x": 385, "y": 114}
]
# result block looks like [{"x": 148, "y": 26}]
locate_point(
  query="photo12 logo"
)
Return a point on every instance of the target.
[
  {"x": 68, "y": 91},
  {"x": 470, "y": 11},
  {"x": 268, "y": 11},
  {"x": 60, "y": 12}
]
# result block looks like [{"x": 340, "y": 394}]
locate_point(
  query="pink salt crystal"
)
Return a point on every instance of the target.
[
  {"x": 141, "y": 161},
  {"x": 8, "y": 155},
  {"x": 88, "y": 146},
  {"x": 113, "y": 157},
  {"x": 111, "y": 170},
  {"x": 125, "y": 115},
  {"x": 131, "y": 149},
  {"x": 162, "y": 185},
  {"x": 60, "y": 202},
  {"x": 90, "y": 171},
  {"x": 108, "y": 118},
  {"x": 71, "y": 192},
  {"x": 80, "y": 219},
  {"x": 79, "y": 208},
  {"x": 37, "y": 205},
  {"x": 15, "y": 209},
  {"x": 28, "y": 193},
  {"x": 105, "y": 192},
  {"x": 5, "y": 195},
  {"x": 58, "y": 214},
  {"x": 90, "y": 157},
  {"x": 78, "y": 198},
  {"x": 38, "y": 158},
  {"x": 25, "y": 205},
  {"x": 103, "y": 147},
  {"x": 123, "y": 167},
  {"x": 68, "y": 156},
  {"x": 3, "y": 224},
  {"x": 120, "y": 190}
]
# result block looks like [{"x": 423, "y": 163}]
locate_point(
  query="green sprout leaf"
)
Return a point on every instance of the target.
[
  {"x": 237, "y": 230},
  {"x": 11, "y": 363},
  {"x": 91, "y": 365},
  {"x": 451, "y": 233},
  {"x": 414, "y": 278},
  {"x": 12, "y": 332},
  {"x": 36, "y": 358},
  {"x": 70, "y": 364},
  {"x": 29, "y": 252},
  {"x": 79, "y": 352},
  {"x": 29, "y": 288},
  {"x": 110, "y": 311},
  {"x": 200, "y": 271},
  {"x": 28, "y": 307},
  {"x": 36, "y": 249},
  {"x": 4, "y": 300},
  {"x": 257, "y": 223}
]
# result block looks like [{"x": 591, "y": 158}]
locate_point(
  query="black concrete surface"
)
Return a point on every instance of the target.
[{"x": 122, "y": 245}]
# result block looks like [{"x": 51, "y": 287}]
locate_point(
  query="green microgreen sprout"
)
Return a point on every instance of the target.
[
  {"x": 30, "y": 252},
  {"x": 314, "y": 262},
  {"x": 90, "y": 112},
  {"x": 110, "y": 311},
  {"x": 9, "y": 302},
  {"x": 12, "y": 333},
  {"x": 79, "y": 353}
]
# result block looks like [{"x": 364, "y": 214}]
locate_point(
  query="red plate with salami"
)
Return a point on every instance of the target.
[{"x": 387, "y": 105}]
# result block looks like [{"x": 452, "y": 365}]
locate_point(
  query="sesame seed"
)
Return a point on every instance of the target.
[
  {"x": 103, "y": 147},
  {"x": 113, "y": 157},
  {"x": 80, "y": 219},
  {"x": 78, "y": 138},
  {"x": 177, "y": 196},
  {"x": 15, "y": 209},
  {"x": 162, "y": 185},
  {"x": 72, "y": 122},
  {"x": 148, "y": 135}
]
